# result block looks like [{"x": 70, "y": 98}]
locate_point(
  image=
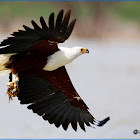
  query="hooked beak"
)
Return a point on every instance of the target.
[{"x": 87, "y": 51}]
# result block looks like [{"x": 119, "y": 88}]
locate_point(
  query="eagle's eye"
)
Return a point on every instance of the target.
[{"x": 83, "y": 50}]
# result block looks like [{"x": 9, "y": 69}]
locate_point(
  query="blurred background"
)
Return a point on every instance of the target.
[
  {"x": 94, "y": 19},
  {"x": 110, "y": 81}
]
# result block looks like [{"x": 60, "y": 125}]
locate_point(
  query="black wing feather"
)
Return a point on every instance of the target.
[
  {"x": 36, "y": 27},
  {"x": 51, "y": 103},
  {"x": 81, "y": 121},
  {"x": 59, "y": 20},
  {"x": 69, "y": 29},
  {"x": 51, "y": 21},
  {"x": 25, "y": 40},
  {"x": 43, "y": 23},
  {"x": 66, "y": 21},
  {"x": 52, "y": 116},
  {"x": 74, "y": 120},
  {"x": 85, "y": 118},
  {"x": 27, "y": 28},
  {"x": 101, "y": 123},
  {"x": 65, "y": 120}
]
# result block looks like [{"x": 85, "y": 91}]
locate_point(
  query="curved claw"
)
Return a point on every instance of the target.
[{"x": 12, "y": 90}]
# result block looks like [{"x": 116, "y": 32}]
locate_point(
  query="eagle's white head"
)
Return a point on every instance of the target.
[{"x": 63, "y": 57}]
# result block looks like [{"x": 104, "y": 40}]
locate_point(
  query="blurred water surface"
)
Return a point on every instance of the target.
[{"x": 107, "y": 79}]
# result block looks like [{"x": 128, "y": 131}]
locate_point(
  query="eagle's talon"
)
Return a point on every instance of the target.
[
  {"x": 10, "y": 83},
  {"x": 12, "y": 90},
  {"x": 10, "y": 95}
]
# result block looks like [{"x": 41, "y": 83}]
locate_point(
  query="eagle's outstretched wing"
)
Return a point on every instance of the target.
[
  {"x": 24, "y": 40},
  {"x": 52, "y": 96}
]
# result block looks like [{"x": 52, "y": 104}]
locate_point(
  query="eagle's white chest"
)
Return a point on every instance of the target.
[{"x": 61, "y": 58}]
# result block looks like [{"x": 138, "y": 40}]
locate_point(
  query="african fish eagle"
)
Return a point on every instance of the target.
[{"x": 37, "y": 74}]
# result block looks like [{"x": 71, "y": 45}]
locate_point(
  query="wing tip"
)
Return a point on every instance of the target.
[
  {"x": 69, "y": 11},
  {"x": 41, "y": 17},
  {"x": 101, "y": 123},
  {"x": 62, "y": 10}
]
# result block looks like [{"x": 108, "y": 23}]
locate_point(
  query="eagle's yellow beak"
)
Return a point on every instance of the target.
[{"x": 84, "y": 50}]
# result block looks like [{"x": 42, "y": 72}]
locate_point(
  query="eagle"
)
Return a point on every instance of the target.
[{"x": 37, "y": 74}]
